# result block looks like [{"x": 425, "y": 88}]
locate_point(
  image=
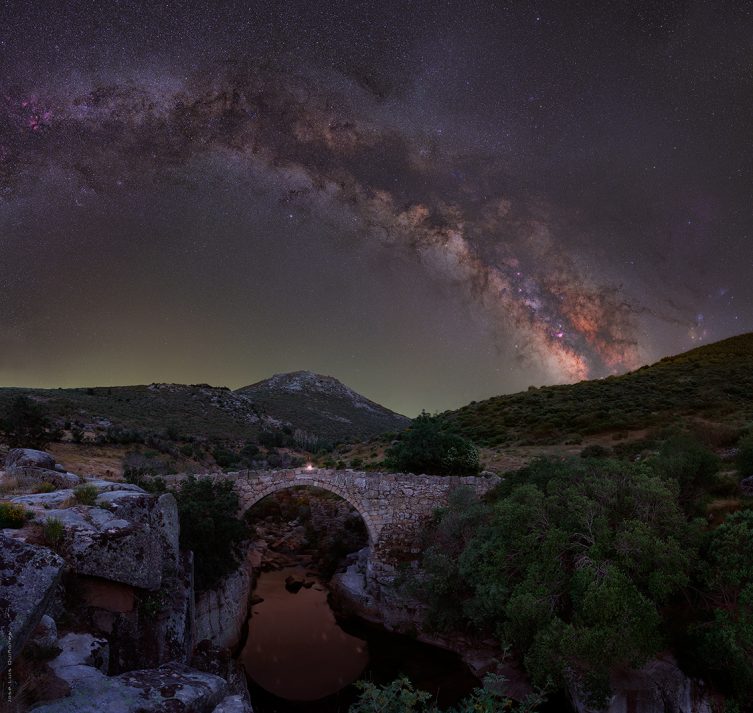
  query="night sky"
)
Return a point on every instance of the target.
[{"x": 432, "y": 201}]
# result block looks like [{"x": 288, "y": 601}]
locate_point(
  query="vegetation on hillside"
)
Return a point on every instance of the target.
[
  {"x": 713, "y": 383},
  {"x": 583, "y": 565},
  {"x": 428, "y": 446}
]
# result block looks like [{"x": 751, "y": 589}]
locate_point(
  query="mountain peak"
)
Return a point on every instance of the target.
[{"x": 288, "y": 396}]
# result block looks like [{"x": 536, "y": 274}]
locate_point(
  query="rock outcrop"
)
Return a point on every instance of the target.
[
  {"x": 30, "y": 467},
  {"x": 118, "y": 578},
  {"x": 29, "y": 577}
]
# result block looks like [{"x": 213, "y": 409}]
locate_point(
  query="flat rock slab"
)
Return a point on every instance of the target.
[
  {"x": 172, "y": 688},
  {"x": 28, "y": 578}
]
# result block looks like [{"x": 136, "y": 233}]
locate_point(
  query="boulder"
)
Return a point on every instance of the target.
[
  {"x": 28, "y": 579},
  {"x": 23, "y": 457},
  {"x": 234, "y": 704},
  {"x": 121, "y": 540},
  {"x": 28, "y": 476},
  {"x": 167, "y": 689}
]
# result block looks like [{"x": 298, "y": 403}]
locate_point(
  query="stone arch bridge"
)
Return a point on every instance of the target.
[{"x": 393, "y": 506}]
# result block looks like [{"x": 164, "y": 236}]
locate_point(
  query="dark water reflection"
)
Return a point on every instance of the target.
[
  {"x": 295, "y": 649},
  {"x": 299, "y": 659}
]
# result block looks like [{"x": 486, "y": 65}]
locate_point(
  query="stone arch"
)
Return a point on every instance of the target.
[{"x": 250, "y": 499}]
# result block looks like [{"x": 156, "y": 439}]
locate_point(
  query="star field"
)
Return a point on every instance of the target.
[{"x": 433, "y": 201}]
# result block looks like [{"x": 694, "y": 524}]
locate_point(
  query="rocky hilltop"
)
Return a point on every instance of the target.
[
  {"x": 319, "y": 408},
  {"x": 322, "y": 405}
]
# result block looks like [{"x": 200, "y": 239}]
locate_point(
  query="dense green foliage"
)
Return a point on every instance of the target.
[
  {"x": 400, "y": 696},
  {"x": 429, "y": 447},
  {"x": 26, "y": 424},
  {"x": 724, "y": 642},
  {"x": 571, "y": 564},
  {"x": 210, "y": 527},
  {"x": 714, "y": 382}
]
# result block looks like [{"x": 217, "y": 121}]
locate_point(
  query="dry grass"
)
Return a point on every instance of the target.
[
  {"x": 102, "y": 461},
  {"x": 10, "y": 486}
]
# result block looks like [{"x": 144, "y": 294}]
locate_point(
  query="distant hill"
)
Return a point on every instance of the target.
[
  {"x": 322, "y": 405},
  {"x": 713, "y": 383}
]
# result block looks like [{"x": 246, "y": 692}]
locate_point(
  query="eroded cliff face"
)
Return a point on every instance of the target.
[
  {"x": 221, "y": 612},
  {"x": 98, "y": 601}
]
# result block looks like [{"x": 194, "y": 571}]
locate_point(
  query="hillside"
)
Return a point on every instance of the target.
[
  {"x": 712, "y": 383},
  {"x": 322, "y": 405}
]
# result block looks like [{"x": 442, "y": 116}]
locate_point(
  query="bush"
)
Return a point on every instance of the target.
[
  {"x": 43, "y": 487},
  {"x": 210, "y": 527},
  {"x": 53, "y": 532},
  {"x": 595, "y": 451},
  {"x": 427, "y": 447},
  {"x": 86, "y": 494},
  {"x": 400, "y": 696},
  {"x": 13, "y": 516},
  {"x": 691, "y": 464},
  {"x": 744, "y": 459}
]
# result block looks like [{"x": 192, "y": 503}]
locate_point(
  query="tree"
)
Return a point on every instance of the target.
[
  {"x": 427, "y": 447},
  {"x": 210, "y": 527},
  {"x": 26, "y": 424}
]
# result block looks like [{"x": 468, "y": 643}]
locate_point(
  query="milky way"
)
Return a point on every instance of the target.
[{"x": 537, "y": 238}]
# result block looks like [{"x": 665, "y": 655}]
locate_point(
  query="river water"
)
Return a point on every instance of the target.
[{"x": 299, "y": 658}]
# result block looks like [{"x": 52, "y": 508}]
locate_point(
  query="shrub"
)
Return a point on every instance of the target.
[
  {"x": 43, "y": 487},
  {"x": 400, "y": 696},
  {"x": 595, "y": 451},
  {"x": 427, "y": 447},
  {"x": 53, "y": 532},
  {"x": 13, "y": 515},
  {"x": 210, "y": 527},
  {"x": 86, "y": 494},
  {"x": 744, "y": 459}
]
